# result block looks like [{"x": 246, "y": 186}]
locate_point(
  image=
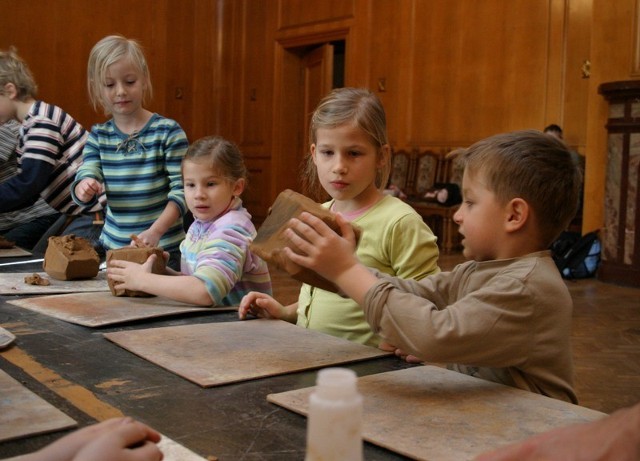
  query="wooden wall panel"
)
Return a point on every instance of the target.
[
  {"x": 255, "y": 80},
  {"x": 59, "y": 40},
  {"x": 612, "y": 57},
  {"x": 388, "y": 50},
  {"x": 471, "y": 76},
  {"x": 575, "y": 97},
  {"x": 296, "y": 13},
  {"x": 454, "y": 71}
]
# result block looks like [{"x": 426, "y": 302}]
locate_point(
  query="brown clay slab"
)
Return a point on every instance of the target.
[
  {"x": 449, "y": 415},
  {"x": 23, "y": 413},
  {"x": 213, "y": 354},
  {"x": 13, "y": 284},
  {"x": 99, "y": 309}
]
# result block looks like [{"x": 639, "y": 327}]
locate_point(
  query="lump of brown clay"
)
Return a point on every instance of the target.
[
  {"x": 137, "y": 255},
  {"x": 6, "y": 244},
  {"x": 270, "y": 241},
  {"x": 35, "y": 279},
  {"x": 70, "y": 258}
]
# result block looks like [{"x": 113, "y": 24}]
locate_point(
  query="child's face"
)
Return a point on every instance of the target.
[
  {"x": 347, "y": 162},
  {"x": 123, "y": 89},
  {"x": 207, "y": 193},
  {"x": 480, "y": 217}
]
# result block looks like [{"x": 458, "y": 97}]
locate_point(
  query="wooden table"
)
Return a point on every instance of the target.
[
  {"x": 98, "y": 379},
  {"x": 89, "y": 378}
]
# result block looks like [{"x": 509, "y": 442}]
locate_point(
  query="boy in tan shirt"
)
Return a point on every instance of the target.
[{"x": 505, "y": 316}]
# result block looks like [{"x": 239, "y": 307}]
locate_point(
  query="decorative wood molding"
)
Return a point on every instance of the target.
[{"x": 635, "y": 70}]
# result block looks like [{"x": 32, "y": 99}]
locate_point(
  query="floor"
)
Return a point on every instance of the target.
[{"x": 606, "y": 337}]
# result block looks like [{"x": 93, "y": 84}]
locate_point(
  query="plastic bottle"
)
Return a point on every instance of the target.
[{"x": 334, "y": 426}]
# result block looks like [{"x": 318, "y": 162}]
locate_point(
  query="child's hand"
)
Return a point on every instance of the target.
[
  {"x": 97, "y": 442},
  {"x": 323, "y": 250},
  {"x": 260, "y": 305},
  {"x": 148, "y": 238},
  {"x": 129, "y": 275},
  {"x": 399, "y": 353},
  {"x": 87, "y": 189},
  {"x": 129, "y": 441}
]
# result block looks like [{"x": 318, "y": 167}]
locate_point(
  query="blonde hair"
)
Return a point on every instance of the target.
[
  {"x": 357, "y": 106},
  {"x": 106, "y": 52},
  {"x": 13, "y": 69},
  {"x": 535, "y": 167},
  {"x": 219, "y": 154}
]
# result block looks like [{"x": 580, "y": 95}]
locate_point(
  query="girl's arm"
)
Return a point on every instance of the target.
[
  {"x": 264, "y": 306},
  {"x": 90, "y": 172},
  {"x": 152, "y": 236},
  {"x": 183, "y": 288}
]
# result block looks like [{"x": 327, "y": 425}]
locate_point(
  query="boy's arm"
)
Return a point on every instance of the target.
[
  {"x": 329, "y": 254},
  {"x": 24, "y": 188}
]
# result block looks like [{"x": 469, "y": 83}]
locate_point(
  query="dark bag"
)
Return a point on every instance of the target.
[{"x": 577, "y": 256}]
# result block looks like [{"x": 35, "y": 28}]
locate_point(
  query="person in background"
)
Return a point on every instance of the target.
[
  {"x": 217, "y": 266},
  {"x": 27, "y": 225},
  {"x": 613, "y": 438},
  {"x": 350, "y": 162},
  {"x": 505, "y": 315},
  {"x": 556, "y": 131},
  {"x": 48, "y": 151},
  {"x": 116, "y": 439},
  {"x": 134, "y": 157}
]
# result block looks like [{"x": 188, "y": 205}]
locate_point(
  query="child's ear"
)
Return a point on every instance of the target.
[
  {"x": 517, "y": 214},
  {"x": 238, "y": 187},
  {"x": 10, "y": 90}
]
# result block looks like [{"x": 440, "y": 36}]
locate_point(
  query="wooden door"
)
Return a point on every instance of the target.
[
  {"x": 318, "y": 81},
  {"x": 305, "y": 76}
]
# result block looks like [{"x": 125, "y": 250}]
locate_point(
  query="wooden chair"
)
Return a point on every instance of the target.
[{"x": 423, "y": 170}]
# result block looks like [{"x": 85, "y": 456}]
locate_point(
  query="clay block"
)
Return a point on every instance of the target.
[
  {"x": 137, "y": 255},
  {"x": 70, "y": 258},
  {"x": 270, "y": 241},
  {"x": 5, "y": 244}
]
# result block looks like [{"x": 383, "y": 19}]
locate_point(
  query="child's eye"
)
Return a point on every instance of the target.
[
  {"x": 212, "y": 184},
  {"x": 326, "y": 152},
  {"x": 355, "y": 153}
]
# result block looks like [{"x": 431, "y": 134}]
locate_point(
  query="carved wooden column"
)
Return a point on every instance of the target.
[{"x": 620, "y": 236}]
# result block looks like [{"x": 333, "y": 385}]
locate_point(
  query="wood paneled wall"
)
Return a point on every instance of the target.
[{"x": 449, "y": 72}]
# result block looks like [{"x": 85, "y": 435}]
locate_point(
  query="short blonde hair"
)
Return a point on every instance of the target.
[
  {"x": 535, "y": 167},
  {"x": 13, "y": 69},
  {"x": 106, "y": 52},
  {"x": 343, "y": 106}
]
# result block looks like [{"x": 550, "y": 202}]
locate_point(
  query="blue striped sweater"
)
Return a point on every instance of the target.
[{"x": 141, "y": 174}]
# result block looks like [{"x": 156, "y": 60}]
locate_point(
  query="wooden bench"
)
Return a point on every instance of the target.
[{"x": 415, "y": 172}]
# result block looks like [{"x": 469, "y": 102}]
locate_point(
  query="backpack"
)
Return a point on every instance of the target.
[{"x": 577, "y": 256}]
